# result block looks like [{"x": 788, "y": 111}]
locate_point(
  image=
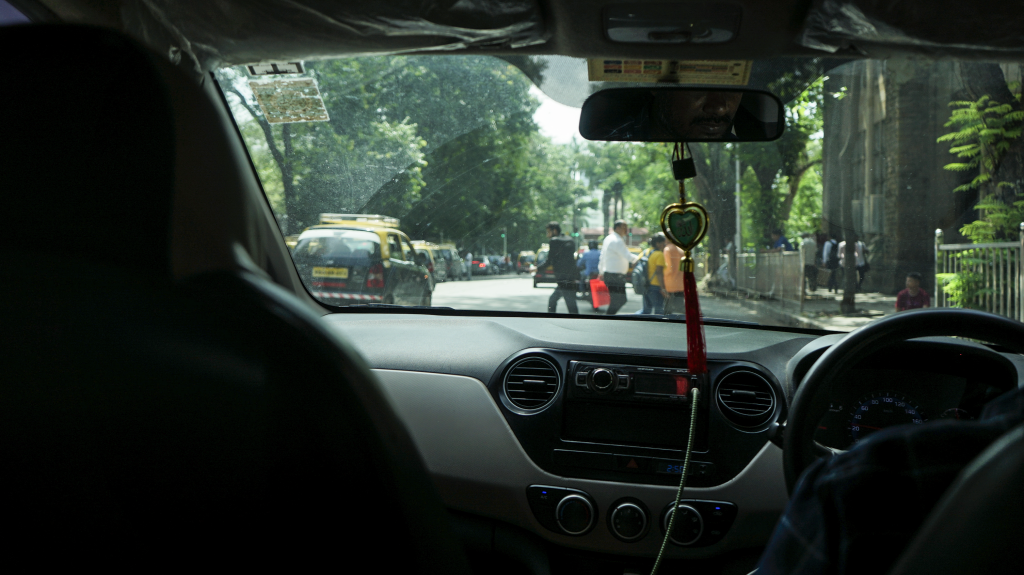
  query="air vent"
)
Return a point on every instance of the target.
[
  {"x": 531, "y": 383},
  {"x": 746, "y": 398}
]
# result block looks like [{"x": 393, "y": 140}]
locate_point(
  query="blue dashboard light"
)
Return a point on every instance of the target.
[
  {"x": 544, "y": 492},
  {"x": 717, "y": 507}
]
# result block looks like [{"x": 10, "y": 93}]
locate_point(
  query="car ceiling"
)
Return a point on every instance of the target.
[{"x": 207, "y": 34}]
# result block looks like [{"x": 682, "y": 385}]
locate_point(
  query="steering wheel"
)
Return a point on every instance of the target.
[{"x": 811, "y": 400}]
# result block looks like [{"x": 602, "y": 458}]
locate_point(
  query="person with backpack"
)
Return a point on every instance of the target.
[
  {"x": 830, "y": 255},
  {"x": 649, "y": 277},
  {"x": 560, "y": 254}
]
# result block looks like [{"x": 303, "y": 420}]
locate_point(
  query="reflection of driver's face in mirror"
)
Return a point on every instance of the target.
[{"x": 693, "y": 115}]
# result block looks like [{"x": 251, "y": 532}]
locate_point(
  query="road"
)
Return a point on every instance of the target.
[{"x": 516, "y": 293}]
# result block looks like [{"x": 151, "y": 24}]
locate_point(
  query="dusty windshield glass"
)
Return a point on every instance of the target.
[{"x": 896, "y": 186}]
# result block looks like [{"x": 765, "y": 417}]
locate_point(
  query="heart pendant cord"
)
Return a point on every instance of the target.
[{"x": 682, "y": 481}]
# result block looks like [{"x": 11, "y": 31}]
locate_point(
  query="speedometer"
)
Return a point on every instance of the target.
[{"x": 879, "y": 410}]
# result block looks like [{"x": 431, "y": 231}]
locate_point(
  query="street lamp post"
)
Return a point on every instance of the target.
[{"x": 504, "y": 242}]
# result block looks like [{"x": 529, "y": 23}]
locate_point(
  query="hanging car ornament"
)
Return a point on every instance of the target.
[{"x": 685, "y": 224}]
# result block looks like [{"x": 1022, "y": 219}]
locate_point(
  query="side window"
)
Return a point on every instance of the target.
[
  {"x": 408, "y": 249},
  {"x": 394, "y": 247}
]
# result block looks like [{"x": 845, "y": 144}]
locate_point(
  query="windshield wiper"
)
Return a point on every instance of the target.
[
  {"x": 682, "y": 318},
  {"x": 396, "y": 306}
]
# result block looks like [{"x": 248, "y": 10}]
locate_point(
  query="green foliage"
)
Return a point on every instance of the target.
[
  {"x": 964, "y": 289},
  {"x": 1000, "y": 223},
  {"x": 446, "y": 144},
  {"x": 773, "y": 179},
  {"x": 806, "y": 213},
  {"x": 640, "y": 171},
  {"x": 984, "y": 131}
]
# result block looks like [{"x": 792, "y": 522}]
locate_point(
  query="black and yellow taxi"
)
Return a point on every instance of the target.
[
  {"x": 435, "y": 261},
  {"x": 349, "y": 259}
]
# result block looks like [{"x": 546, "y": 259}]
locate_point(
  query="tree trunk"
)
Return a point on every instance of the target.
[
  {"x": 715, "y": 188},
  {"x": 794, "y": 188},
  {"x": 606, "y": 199},
  {"x": 283, "y": 161}
]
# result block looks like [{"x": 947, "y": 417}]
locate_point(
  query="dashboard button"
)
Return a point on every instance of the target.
[
  {"x": 575, "y": 514},
  {"x": 633, "y": 464},
  {"x": 628, "y": 521},
  {"x": 688, "y": 524},
  {"x": 581, "y": 378},
  {"x": 602, "y": 380}
]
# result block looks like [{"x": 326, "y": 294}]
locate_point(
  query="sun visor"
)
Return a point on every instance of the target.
[
  {"x": 204, "y": 35},
  {"x": 939, "y": 26}
]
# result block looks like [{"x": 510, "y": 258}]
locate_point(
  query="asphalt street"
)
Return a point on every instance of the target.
[{"x": 516, "y": 293}]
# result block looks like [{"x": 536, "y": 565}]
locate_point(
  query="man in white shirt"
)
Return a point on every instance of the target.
[
  {"x": 614, "y": 265},
  {"x": 810, "y": 250}
]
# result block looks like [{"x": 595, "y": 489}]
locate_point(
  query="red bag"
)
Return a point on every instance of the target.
[{"x": 599, "y": 293}]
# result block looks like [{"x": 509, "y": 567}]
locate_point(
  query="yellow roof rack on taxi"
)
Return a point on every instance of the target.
[{"x": 364, "y": 219}]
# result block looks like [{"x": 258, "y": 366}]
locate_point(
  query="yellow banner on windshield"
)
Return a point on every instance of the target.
[{"x": 718, "y": 72}]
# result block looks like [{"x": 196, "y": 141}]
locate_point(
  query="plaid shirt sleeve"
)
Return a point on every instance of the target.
[{"x": 856, "y": 512}]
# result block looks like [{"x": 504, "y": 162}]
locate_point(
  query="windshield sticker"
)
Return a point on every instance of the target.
[
  {"x": 275, "y": 68},
  {"x": 284, "y": 101},
  {"x": 720, "y": 72}
]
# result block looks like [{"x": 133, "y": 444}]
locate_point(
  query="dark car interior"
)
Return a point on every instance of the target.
[{"x": 172, "y": 392}]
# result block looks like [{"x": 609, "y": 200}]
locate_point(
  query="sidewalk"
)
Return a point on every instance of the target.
[{"x": 821, "y": 309}]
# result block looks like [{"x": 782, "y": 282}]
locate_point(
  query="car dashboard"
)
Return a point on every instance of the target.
[{"x": 575, "y": 429}]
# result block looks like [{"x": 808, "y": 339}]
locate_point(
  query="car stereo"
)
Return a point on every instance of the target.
[
  {"x": 632, "y": 404},
  {"x": 630, "y": 383}
]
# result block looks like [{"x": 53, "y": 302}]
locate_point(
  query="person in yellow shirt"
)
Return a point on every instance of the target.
[
  {"x": 654, "y": 299},
  {"x": 674, "y": 302}
]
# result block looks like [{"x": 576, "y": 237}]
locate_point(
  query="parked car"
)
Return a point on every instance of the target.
[
  {"x": 437, "y": 267},
  {"x": 342, "y": 265},
  {"x": 497, "y": 264},
  {"x": 481, "y": 266},
  {"x": 524, "y": 260},
  {"x": 458, "y": 269},
  {"x": 543, "y": 271}
]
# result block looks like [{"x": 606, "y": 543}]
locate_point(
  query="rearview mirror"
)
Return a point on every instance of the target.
[{"x": 678, "y": 114}]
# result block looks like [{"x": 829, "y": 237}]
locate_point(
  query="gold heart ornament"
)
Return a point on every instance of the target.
[{"x": 685, "y": 224}]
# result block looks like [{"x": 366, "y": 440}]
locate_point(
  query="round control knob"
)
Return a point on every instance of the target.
[
  {"x": 688, "y": 525},
  {"x": 574, "y": 514},
  {"x": 602, "y": 379},
  {"x": 628, "y": 521}
]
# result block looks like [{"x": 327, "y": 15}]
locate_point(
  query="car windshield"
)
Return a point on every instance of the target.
[{"x": 896, "y": 185}]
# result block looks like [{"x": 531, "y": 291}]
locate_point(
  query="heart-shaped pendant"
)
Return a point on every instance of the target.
[{"x": 685, "y": 224}]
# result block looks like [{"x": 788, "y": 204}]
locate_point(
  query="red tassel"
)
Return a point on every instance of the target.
[{"x": 696, "y": 349}]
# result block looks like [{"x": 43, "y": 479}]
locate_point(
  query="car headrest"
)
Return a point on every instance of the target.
[{"x": 112, "y": 155}]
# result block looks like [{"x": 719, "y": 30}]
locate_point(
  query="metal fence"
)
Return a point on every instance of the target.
[
  {"x": 990, "y": 277},
  {"x": 774, "y": 275}
]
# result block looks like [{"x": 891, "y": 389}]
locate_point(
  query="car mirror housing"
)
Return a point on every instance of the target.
[{"x": 679, "y": 114}]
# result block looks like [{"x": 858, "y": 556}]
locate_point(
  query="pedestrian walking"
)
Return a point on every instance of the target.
[
  {"x": 861, "y": 252},
  {"x": 675, "y": 302},
  {"x": 810, "y": 249},
  {"x": 614, "y": 264},
  {"x": 830, "y": 256},
  {"x": 655, "y": 294},
  {"x": 588, "y": 262},
  {"x": 560, "y": 255}
]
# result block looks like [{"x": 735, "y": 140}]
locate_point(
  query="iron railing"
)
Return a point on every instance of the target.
[
  {"x": 991, "y": 275},
  {"x": 773, "y": 275}
]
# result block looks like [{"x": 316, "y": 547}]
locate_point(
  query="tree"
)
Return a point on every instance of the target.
[
  {"x": 446, "y": 144},
  {"x": 779, "y": 167}
]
